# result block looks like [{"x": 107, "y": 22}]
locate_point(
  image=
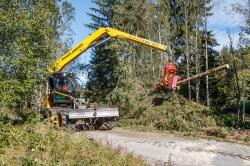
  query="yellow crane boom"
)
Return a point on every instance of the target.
[{"x": 96, "y": 37}]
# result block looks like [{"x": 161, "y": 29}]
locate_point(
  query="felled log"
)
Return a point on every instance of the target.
[{"x": 201, "y": 75}]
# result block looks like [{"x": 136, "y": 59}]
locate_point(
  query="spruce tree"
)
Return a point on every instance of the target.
[{"x": 102, "y": 75}]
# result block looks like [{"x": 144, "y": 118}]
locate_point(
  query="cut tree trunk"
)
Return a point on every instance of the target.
[{"x": 204, "y": 74}]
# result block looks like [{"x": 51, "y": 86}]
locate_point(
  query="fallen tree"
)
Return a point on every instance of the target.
[{"x": 201, "y": 75}]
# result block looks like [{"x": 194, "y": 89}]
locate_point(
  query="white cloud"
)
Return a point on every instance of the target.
[
  {"x": 224, "y": 19},
  {"x": 223, "y": 39},
  {"x": 223, "y": 15}
]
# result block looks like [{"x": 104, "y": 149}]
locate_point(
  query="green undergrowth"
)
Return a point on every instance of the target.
[
  {"x": 35, "y": 143},
  {"x": 178, "y": 115},
  {"x": 170, "y": 111}
]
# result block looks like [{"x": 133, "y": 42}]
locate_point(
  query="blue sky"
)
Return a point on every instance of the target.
[
  {"x": 81, "y": 18},
  {"x": 221, "y": 20}
]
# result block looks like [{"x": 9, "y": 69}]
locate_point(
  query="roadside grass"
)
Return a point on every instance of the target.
[{"x": 35, "y": 143}]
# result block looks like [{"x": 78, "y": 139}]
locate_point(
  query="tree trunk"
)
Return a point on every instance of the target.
[
  {"x": 151, "y": 59},
  {"x": 187, "y": 51},
  {"x": 197, "y": 67},
  {"x": 243, "y": 98},
  {"x": 206, "y": 57},
  {"x": 238, "y": 92},
  {"x": 161, "y": 54},
  {"x": 204, "y": 74}
]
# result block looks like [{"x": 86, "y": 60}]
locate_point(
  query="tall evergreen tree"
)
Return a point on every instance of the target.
[
  {"x": 102, "y": 76},
  {"x": 132, "y": 17}
]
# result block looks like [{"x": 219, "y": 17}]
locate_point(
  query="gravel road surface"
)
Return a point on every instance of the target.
[{"x": 165, "y": 149}]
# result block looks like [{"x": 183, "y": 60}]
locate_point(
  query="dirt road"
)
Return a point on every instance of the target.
[{"x": 165, "y": 149}]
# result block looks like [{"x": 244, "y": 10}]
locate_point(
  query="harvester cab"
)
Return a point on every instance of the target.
[{"x": 66, "y": 90}]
